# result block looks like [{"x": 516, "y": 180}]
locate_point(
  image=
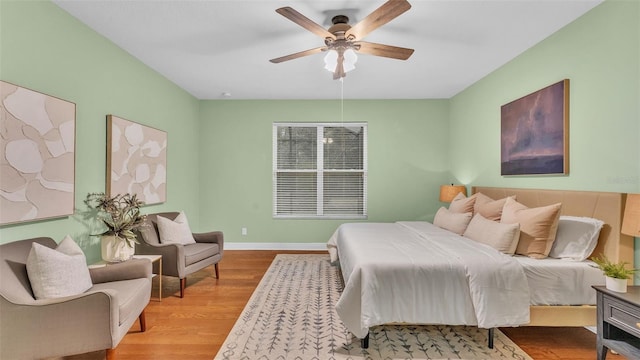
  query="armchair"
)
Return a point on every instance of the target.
[
  {"x": 94, "y": 320},
  {"x": 177, "y": 259}
]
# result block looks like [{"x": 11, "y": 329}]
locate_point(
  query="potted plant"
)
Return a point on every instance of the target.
[
  {"x": 121, "y": 215},
  {"x": 616, "y": 274}
]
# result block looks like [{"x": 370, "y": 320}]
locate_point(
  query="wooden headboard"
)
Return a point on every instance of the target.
[{"x": 606, "y": 206}]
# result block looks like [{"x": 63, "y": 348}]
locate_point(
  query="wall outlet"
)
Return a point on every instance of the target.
[{"x": 244, "y": 231}]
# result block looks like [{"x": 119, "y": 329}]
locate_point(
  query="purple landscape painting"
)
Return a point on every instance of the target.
[{"x": 535, "y": 132}]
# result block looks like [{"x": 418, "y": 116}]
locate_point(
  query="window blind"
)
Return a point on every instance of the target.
[{"x": 319, "y": 170}]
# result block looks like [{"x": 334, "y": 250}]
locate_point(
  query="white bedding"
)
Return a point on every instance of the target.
[
  {"x": 415, "y": 272},
  {"x": 561, "y": 282}
]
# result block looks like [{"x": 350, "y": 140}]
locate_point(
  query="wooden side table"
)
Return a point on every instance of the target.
[
  {"x": 618, "y": 322},
  {"x": 153, "y": 259}
]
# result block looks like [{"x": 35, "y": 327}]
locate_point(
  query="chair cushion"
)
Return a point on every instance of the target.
[
  {"x": 175, "y": 231},
  {"x": 58, "y": 272},
  {"x": 200, "y": 251},
  {"x": 132, "y": 294}
]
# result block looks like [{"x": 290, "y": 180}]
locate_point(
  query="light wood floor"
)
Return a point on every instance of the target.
[{"x": 195, "y": 327}]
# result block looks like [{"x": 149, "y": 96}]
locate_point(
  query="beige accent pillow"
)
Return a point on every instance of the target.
[
  {"x": 175, "y": 231},
  {"x": 452, "y": 221},
  {"x": 462, "y": 204},
  {"x": 502, "y": 237},
  {"x": 538, "y": 227},
  {"x": 487, "y": 207},
  {"x": 58, "y": 272}
]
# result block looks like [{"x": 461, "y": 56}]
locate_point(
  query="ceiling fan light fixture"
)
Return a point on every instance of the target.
[
  {"x": 331, "y": 60},
  {"x": 341, "y": 40},
  {"x": 350, "y": 59}
]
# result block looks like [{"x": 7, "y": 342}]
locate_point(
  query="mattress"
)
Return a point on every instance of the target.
[
  {"x": 561, "y": 282},
  {"x": 415, "y": 272}
]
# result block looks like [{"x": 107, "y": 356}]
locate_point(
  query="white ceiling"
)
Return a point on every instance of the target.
[{"x": 213, "y": 47}]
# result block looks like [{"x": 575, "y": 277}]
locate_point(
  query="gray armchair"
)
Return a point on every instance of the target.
[
  {"x": 94, "y": 320},
  {"x": 180, "y": 260}
]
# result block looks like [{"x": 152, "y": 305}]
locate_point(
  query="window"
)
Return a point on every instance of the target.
[{"x": 320, "y": 170}]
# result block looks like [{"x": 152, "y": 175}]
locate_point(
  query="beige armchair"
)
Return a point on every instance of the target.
[
  {"x": 177, "y": 259},
  {"x": 94, "y": 320}
]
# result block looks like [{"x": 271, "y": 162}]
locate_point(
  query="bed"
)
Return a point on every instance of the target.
[{"x": 386, "y": 283}]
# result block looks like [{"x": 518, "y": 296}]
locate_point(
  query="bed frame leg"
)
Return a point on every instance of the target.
[
  {"x": 490, "y": 338},
  {"x": 364, "y": 343}
]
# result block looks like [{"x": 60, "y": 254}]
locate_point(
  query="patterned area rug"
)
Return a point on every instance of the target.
[{"x": 291, "y": 315}]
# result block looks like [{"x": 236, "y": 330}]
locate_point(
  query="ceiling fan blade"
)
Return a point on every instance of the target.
[
  {"x": 304, "y": 21},
  {"x": 382, "y": 15},
  {"x": 388, "y": 51},
  {"x": 299, "y": 54}
]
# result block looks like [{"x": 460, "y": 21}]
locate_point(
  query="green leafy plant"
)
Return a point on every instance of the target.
[
  {"x": 120, "y": 213},
  {"x": 614, "y": 270}
]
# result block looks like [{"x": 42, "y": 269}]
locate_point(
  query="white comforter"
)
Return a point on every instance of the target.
[{"x": 415, "y": 272}]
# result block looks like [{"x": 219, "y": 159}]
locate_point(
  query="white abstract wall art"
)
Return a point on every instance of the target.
[
  {"x": 37, "y": 155},
  {"x": 136, "y": 160}
]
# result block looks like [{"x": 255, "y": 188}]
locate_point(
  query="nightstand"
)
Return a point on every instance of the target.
[{"x": 618, "y": 322}]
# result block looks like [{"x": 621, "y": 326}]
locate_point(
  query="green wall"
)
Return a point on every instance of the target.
[
  {"x": 220, "y": 150},
  {"x": 407, "y": 162},
  {"x": 600, "y": 54},
  {"x": 45, "y": 49}
]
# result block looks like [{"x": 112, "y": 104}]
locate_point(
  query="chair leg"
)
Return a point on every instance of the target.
[
  {"x": 217, "y": 273},
  {"x": 111, "y": 354},
  {"x": 143, "y": 322},
  {"x": 183, "y": 284}
]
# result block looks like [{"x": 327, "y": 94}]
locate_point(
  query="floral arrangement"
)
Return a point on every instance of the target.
[{"x": 120, "y": 213}]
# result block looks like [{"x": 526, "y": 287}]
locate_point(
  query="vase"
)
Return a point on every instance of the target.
[
  {"x": 115, "y": 249},
  {"x": 617, "y": 285}
]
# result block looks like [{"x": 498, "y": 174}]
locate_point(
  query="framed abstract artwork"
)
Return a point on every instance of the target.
[
  {"x": 534, "y": 138},
  {"x": 136, "y": 160},
  {"x": 37, "y": 155}
]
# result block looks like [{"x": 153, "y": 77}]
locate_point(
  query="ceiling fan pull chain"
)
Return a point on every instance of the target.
[{"x": 342, "y": 101}]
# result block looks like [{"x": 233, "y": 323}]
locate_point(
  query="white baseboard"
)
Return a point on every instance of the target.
[{"x": 275, "y": 246}]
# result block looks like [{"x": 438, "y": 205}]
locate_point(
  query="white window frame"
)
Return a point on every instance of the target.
[{"x": 319, "y": 171}]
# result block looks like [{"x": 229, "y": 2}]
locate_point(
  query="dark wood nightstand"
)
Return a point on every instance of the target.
[{"x": 618, "y": 322}]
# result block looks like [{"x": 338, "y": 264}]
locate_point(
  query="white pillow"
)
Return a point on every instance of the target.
[
  {"x": 576, "y": 239},
  {"x": 175, "y": 231},
  {"x": 58, "y": 272},
  {"x": 500, "y": 236},
  {"x": 452, "y": 221}
]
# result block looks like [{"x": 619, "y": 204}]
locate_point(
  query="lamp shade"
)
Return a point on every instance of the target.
[
  {"x": 349, "y": 63},
  {"x": 631, "y": 220},
  {"x": 448, "y": 192}
]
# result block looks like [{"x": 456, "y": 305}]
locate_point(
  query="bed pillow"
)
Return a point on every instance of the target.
[
  {"x": 487, "y": 207},
  {"x": 58, "y": 272},
  {"x": 176, "y": 231},
  {"x": 577, "y": 237},
  {"x": 462, "y": 204},
  {"x": 538, "y": 227},
  {"x": 452, "y": 221},
  {"x": 500, "y": 236}
]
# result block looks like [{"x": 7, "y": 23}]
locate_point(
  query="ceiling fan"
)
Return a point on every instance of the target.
[{"x": 342, "y": 37}]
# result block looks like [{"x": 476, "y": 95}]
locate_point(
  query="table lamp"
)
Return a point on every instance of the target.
[
  {"x": 448, "y": 192},
  {"x": 631, "y": 220}
]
